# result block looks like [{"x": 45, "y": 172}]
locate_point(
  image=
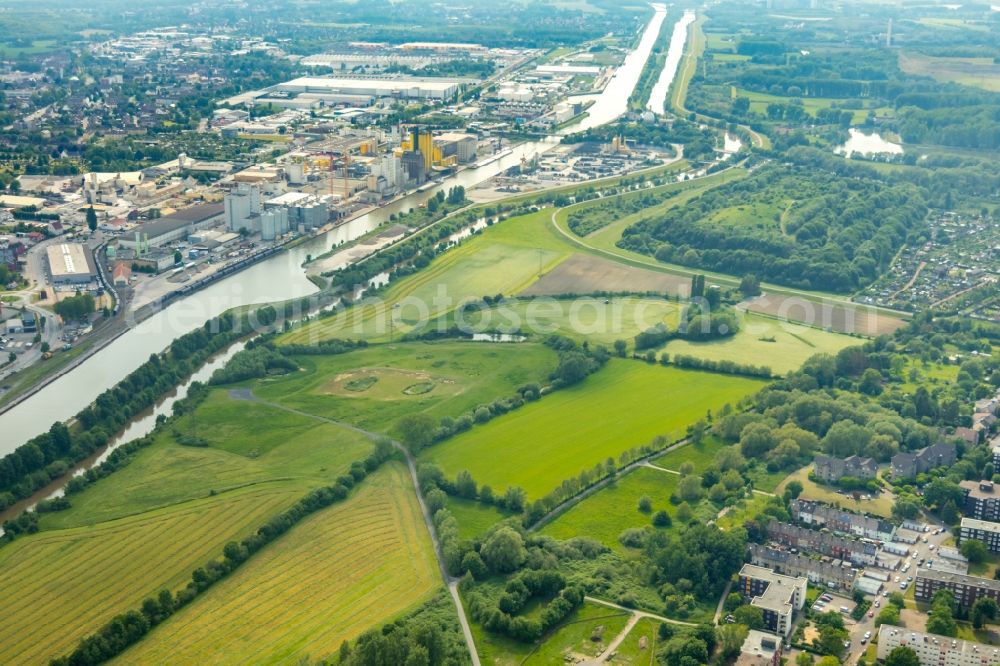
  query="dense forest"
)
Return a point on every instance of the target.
[{"x": 787, "y": 224}]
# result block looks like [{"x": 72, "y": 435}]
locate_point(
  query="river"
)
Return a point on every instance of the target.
[
  {"x": 280, "y": 277},
  {"x": 658, "y": 96}
]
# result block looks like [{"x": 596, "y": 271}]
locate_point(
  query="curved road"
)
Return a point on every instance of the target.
[{"x": 450, "y": 581}]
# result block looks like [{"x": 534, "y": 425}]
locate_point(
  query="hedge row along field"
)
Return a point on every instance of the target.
[
  {"x": 624, "y": 405},
  {"x": 61, "y": 585},
  {"x": 342, "y": 570}
]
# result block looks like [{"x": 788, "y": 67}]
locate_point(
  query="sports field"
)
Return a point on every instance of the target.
[
  {"x": 61, "y": 585},
  {"x": 623, "y": 405},
  {"x": 437, "y": 378},
  {"x": 613, "y": 509},
  {"x": 763, "y": 341},
  {"x": 352, "y": 566}
]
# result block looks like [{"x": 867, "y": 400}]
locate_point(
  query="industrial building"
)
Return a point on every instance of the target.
[
  {"x": 935, "y": 650},
  {"x": 981, "y": 530},
  {"x": 173, "y": 227},
  {"x": 245, "y": 209},
  {"x": 434, "y": 89},
  {"x": 779, "y": 597},
  {"x": 71, "y": 263}
]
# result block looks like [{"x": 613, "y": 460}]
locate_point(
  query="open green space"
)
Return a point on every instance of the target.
[
  {"x": 763, "y": 341},
  {"x": 597, "y": 319},
  {"x": 248, "y": 443},
  {"x": 351, "y": 566},
  {"x": 613, "y": 509},
  {"x": 811, "y": 105},
  {"x": 570, "y": 642},
  {"x": 639, "y": 647},
  {"x": 437, "y": 378},
  {"x": 626, "y": 404},
  {"x": 474, "y": 518},
  {"x": 701, "y": 455},
  {"x": 880, "y": 505},
  {"x": 61, "y": 585}
]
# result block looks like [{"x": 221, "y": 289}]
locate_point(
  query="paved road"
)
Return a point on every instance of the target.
[{"x": 450, "y": 581}]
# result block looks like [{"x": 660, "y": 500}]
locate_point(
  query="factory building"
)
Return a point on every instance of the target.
[
  {"x": 462, "y": 146},
  {"x": 241, "y": 204},
  {"x": 173, "y": 227},
  {"x": 71, "y": 263},
  {"x": 434, "y": 89}
]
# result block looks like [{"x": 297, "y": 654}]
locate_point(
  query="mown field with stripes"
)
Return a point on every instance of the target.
[
  {"x": 352, "y": 566},
  {"x": 60, "y": 585}
]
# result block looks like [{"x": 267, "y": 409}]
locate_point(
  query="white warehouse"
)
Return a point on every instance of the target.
[{"x": 439, "y": 89}]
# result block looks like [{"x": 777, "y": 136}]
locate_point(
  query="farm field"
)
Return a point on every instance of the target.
[
  {"x": 61, "y": 585},
  {"x": 763, "y": 341},
  {"x": 570, "y": 639},
  {"x": 978, "y": 72},
  {"x": 597, "y": 319},
  {"x": 630, "y": 652},
  {"x": 504, "y": 259},
  {"x": 344, "y": 569},
  {"x": 589, "y": 274},
  {"x": 544, "y": 442},
  {"x": 248, "y": 444},
  {"x": 839, "y": 317},
  {"x": 438, "y": 378},
  {"x": 613, "y": 509}
]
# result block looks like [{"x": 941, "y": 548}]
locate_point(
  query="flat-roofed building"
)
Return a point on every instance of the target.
[
  {"x": 935, "y": 650},
  {"x": 173, "y": 227},
  {"x": 779, "y": 597},
  {"x": 966, "y": 589},
  {"x": 438, "y": 89},
  {"x": 760, "y": 649},
  {"x": 981, "y": 500},
  {"x": 981, "y": 530},
  {"x": 71, "y": 263}
]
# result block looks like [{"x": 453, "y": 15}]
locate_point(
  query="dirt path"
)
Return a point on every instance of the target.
[
  {"x": 569, "y": 503},
  {"x": 451, "y": 582},
  {"x": 722, "y": 603},
  {"x": 913, "y": 279}
]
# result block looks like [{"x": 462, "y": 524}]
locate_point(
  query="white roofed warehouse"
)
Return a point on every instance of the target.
[{"x": 71, "y": 263}]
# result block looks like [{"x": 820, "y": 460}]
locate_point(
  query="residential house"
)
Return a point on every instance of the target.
[
  {"x": 832, "y": 470},
  {"x": 908, "y": 465},
  {"x": 838, "y": 520},
  {"x": 822, "y": 542},
  {"x": 824, "y": 571}
]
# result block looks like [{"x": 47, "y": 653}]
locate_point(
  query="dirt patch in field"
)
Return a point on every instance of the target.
[
  {"x": 586, "y": 274},
  {"x": 388, "y": 384},
  {"x": 855, "y": 319}
]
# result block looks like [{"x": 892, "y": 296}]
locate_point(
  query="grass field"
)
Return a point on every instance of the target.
[
  {"x": 597, "y": 319},
  {"x": 811, "y": 105},
  {"x": 779, "y": 345},
  {"x": 349, "y": 567},
  {"x": 462, "y": 375},
  {"x": 474, "y": 518},
  {"x": 629, "y": 653},
  {"x": 623, "y": 405},
  {"x": 827, "y": 314},
  {"x": 568, "y": 643},
  {"x": 613, "y": 509},
  {"x": 979, "y": 72},
  {"x": 248, "y": 444},
  {"x": 60, "y": 585},
  {"x": 701, "y": 455}
]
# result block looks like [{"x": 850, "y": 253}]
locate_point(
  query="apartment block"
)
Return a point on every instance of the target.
[
  {"x": 779, "y": 597},
  {"x": 824, "y": 571},
  {"x": 935, "y": 650},
  {"x": 966, "y": 589},
  {"x": 981, "y": 530},
  {"x": 981, "y": 500}
]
